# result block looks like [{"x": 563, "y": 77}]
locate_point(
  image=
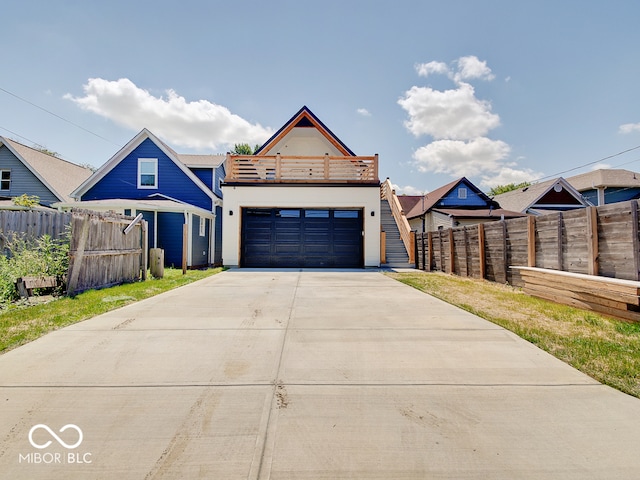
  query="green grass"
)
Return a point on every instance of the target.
[
  {"x": 20, "y": 325},
  {"x": 604, "y": 348}
]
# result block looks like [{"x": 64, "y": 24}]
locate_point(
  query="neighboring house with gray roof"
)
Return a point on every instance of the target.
[
  {"x": 555, "y": 195},
  {"x": 606, "y": 186},
  {"x": 455, "y": 204},
  {"x": 25, "y": 170}
]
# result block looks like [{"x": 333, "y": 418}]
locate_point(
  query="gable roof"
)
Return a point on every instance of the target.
[
  {"x": 58, "y": 175},
  {"x": 202, "y": 161},
  {"x": 305, "y": 118},
  {"x": 605, "y": 178},
  {"x": 130, "y": 147},
  {"x": 414, "y": 206},
  {"x": 525, "y": 199}
]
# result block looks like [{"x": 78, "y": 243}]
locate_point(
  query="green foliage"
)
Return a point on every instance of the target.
[
  {"x": 48, "y": 152},
  {"x": 497, "y": 190},
  {"x": 25, "y": 200},
  {"x": 43, "y": 256},
  {"x": 244, "y": 149}
]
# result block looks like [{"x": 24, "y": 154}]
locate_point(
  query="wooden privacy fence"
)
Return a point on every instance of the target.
[
  {"x": 105, "y": 250},
  {"x": 32, "y": 224},
  {"x": 600, "y": 241}
]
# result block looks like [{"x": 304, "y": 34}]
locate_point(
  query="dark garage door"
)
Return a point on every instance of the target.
[{"x": 294, "y": 237}]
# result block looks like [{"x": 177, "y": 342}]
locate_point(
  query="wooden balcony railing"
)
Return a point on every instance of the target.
[{"x": 299, "y": 169}]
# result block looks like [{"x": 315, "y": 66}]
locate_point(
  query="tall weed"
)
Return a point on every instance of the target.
[{"x": 24, "y": 257}]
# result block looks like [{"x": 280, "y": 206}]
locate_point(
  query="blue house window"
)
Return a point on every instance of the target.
[
  {"x": 5, "y": 179},
  {"x": 147, "y": 173},
  {"x": 462, "y": 193}
]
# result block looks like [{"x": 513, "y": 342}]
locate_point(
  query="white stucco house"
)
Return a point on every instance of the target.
[{"x": 304, "y": 199}]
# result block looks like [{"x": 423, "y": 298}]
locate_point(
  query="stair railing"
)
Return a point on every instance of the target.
[{"x": 408, "y": 236}]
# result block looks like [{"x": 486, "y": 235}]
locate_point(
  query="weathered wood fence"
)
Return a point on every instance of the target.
[
  {"x": 32, "y": 224},
  {"x": 600, "y": 241},
  {"x": 105, "y": 250}
]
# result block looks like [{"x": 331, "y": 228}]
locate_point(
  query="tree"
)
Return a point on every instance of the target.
[
  {"x": 497, "y": 190},
  {"x": 244, "y": 149}
]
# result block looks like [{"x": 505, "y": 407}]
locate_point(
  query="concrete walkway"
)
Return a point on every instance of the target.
[{"x": 304, "y": 375}]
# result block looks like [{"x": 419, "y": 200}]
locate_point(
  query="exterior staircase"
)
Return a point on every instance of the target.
[{"x": 396, "y": 253}]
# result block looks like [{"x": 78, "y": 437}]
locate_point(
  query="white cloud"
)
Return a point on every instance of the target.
[
  {"x": 467, "y": 68},
  {"x": 198, "y": 124},
  {"x": 462, "y": 159},
  {"x": 458, "y": 122},
  {"x": 470, "y": 68},
  {"x": 426, "y": 69},
  {"x": 408, "y": 190},
  {"x": 506, "y": 175},
  {"x": 450, "y": 114},
  {"x": 629, "y": 128},
  {"x": 364, "y": 112}
]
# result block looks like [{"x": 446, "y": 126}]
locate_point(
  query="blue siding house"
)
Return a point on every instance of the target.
[
  {"x": 455, "y": 204},
  {"x": 170, "y": 190}
]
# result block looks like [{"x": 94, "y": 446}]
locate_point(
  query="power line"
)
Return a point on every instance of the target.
[
  {"x": 587, "y": 164},
  {"x": 21, "y": 136},
  {"x": 57, "y": 116}
]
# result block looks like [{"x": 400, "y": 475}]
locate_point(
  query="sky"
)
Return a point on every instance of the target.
[{"x": 495, "y": 91}]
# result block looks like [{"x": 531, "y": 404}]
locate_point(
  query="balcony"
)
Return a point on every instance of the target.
[{"x": 261, "y": 169}]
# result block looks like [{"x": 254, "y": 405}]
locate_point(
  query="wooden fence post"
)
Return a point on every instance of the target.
[
  {"x": 429, "y": 250},
  {"x": 452, "y": 252},
  {"x": 466, "y": 251},
  {"x": 531, "y": 241},
  {"x": 634, "y": 239},
  {"x": 441, "y": 247},
  {"x": 592, "y": 239},
  {"x": 481, "y": 256},
  {"x": 78, "y": 255},
  {"x": 560, "y": 256},
  {"x": 505, "y": 253}
]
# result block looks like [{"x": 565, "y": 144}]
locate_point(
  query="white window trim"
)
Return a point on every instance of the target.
[
  {"x": 203, "y": 223},
  {"x": 1, "y": 172},
  {"x": 155, "y": 173},
  {"x": 462, "y": 193}
]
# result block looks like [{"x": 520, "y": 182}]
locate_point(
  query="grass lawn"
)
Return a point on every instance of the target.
[
  {"x": 23, "y": 324},
  {"x": 604, "y": 348}
]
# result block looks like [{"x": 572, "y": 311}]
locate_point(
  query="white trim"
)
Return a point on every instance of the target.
[
  {"x": 125, "y": 151},
  {"x": 155, "y": 229},
  {"x": 154, "y": 162},
  {"x": 188, "y": 217}
]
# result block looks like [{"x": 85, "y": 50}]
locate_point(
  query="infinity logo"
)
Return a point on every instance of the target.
[{"x": 53, "y": 434}]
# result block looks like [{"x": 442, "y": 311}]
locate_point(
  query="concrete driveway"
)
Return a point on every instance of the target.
[{"x": 304, "y": 375}]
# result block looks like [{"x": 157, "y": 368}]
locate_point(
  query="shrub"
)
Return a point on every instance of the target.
[{"x": 39, "y": 257}]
